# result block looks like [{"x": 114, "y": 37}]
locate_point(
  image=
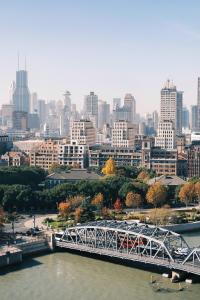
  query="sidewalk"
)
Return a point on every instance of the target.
[{"x": 39, "y": 221}]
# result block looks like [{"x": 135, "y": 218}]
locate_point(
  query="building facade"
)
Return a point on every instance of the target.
[
  {"x": 82, "y": 133},
  {"x": 123, "y": 134}
]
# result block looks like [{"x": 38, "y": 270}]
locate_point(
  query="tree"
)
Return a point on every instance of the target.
[
  {"x": 156, "y": 194},
  {"x": 109, "y": 168},
  {"x": 118, "y": 205},
  {"x": 160, "y": 216},
  {"x": 105, "y": 212},
  {"x": 98, "y": 200},
  {"x": 143, "y": 176},
  {"x": 197, "y": 190},
  {"x": 76, "y": 201},
  {"x": 133, "y": 200},
  {"x": 2, "y": 216},
  {"x": 78, "y": 214},
  {"x": 187, "y": 193},
  {"x": 64, "y": 208}
]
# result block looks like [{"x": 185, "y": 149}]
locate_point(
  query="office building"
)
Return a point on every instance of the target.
[
  {"x": 104, "y": 114},
  {"x": 82, "y": 133},
  {"x": 91, "y": 108},
  {"x": 129, "y": 102},
  {"x": 20, "y": 120},
  {"x": 21, "y": 95},
  {"x": 165, "y": 138},
  {"x": 123, "y": 134},
  {"x": 171, "y": 106},
  {"x": 73, "y": 155}
]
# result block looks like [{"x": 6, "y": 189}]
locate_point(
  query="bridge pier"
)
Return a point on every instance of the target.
[{"x": 178, "y": 276}]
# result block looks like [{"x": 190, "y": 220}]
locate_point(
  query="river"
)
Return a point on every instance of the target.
[{"x": 68, "y": 276}]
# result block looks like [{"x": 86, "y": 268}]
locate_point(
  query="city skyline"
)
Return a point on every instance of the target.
[{"x": 133, "y": 49}]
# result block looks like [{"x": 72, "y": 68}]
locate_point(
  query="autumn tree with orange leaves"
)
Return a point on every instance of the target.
[
  {"x": 77, "y": 214},
  {"x": 197, "y": 190},
  {"x": 118, "y": 205},
  {"x": 98, "y": 199},
  {"x": 156, "y": 194},
  {"x": 187, "y": 193},
  {"x": 64, "y": 209},
  {"x": 133, "y": 200}
]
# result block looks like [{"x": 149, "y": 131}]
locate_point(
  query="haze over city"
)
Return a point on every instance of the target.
[{"x": 109, "y": 47}]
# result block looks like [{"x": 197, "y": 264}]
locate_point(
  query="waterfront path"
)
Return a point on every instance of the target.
[{"x": 39, "y": 221}]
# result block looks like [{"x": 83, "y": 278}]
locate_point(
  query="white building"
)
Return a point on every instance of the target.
[
  {"x": 166, "y": 135},
  {"x": 123, "y": 134},
  {"x": 82, "y": 133},
  {"x": 73, "y": 155},
  {"x": 171, "y": 106}
]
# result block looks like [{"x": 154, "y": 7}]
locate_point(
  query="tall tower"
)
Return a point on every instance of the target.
[
  {"x": 129, "y": 102},
  {"x": 171, "y": 104},
  {"x": 91, "y": 108},
  {"x": 198, "y": 105},
  {"x": 21, "y": 95}
]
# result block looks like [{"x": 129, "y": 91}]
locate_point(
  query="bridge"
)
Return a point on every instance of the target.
[{"x": 132, "y": 241}]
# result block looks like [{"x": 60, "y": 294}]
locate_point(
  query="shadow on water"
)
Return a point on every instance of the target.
[{"x": 27, "y": 263}]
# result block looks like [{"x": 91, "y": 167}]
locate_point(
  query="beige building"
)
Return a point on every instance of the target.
[
  {"x": 123, "y": 134},
  {"x": 83, "y": 133},
  {"x": 46, "y": 155}
]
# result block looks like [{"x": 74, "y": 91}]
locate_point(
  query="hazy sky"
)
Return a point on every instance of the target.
[{"x": 107, "y": 46}]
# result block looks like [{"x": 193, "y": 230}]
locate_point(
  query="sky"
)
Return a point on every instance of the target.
[{"x": 111, "y": 47}]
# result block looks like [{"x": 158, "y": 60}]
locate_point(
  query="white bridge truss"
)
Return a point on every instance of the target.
[{"x": 132, "y": 241}]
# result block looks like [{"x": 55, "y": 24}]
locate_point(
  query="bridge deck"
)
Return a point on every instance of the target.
[{"x": 189, "y": 268}]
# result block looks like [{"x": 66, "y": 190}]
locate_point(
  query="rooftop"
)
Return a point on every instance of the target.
[
  {"x": 74, "y": 175},
  {"x": 167, "y": 180}
]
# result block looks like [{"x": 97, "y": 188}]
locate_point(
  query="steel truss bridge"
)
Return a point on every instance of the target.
[{"x": 134, "y": 242}]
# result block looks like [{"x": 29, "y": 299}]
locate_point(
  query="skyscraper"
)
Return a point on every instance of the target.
[
  {"x": 21, "y": 95},
  {"x": 91, "y": 108},
  {"x": 171, "y": 106},
  {"x": 104, "y": 114},
  {"x": 194, "y": 118},
  {"x": 198, "y": 105},
  {"x": 129, "y": 102}
]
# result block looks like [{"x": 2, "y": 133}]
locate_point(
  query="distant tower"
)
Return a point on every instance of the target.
[
  {"x": 171, "y": 106},
  {"x": 129, "y": 102},
  {"x": 91, "y": 108},
  {"x": 21, "y": 95},
  {"x": 198, "y": 105}
]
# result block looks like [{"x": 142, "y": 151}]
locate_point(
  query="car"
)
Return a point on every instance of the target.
[{"x": 181, "y": 251}]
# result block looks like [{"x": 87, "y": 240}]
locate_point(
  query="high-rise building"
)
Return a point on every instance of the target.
[
  {"x": 198, "y": 105},
  {"x": 42, "y": 111},
  {"x": 6, "y": 113},
  {"x": 165, "y": 138},
  {"x": 34, "y": 103},
  {"x": 65, "y": 115},
  {"x": 129, "y": 102},
  {"x": 20, "y": 120},
  {"x": 123, "y": 134},
  {"x": 116, "y": 103},
  {"x": 104, "y": 113},
  {"x": 82, "y": 133},
  {"x": 91, "y": 108},
  {"x": 194, "y": 118},
  {"x": 171, "y": 106},
  {"x": 21, "y": 95},
  {"x": 185, "y": 118}
]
